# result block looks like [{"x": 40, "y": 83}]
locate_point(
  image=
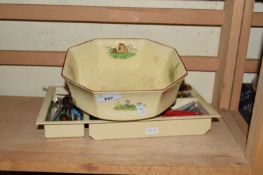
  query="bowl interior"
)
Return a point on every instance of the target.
[{"x": 123, "y": 64}]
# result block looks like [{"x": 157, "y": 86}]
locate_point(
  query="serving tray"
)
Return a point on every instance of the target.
[{"x": 104, "y": 129}]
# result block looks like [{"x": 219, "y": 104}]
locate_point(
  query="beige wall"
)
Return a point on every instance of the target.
[{"x": 29, "y": 81}]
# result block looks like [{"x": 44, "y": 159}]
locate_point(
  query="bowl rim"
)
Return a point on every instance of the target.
[{"x": 108, "y": 91}]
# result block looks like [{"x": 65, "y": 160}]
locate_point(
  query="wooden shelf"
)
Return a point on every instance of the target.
[
  {"x": 133, "y": 15},
  {"x": 24, "y": 148}
]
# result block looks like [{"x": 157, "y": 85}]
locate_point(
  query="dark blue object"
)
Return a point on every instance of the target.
[
  {"x": 76, "y": 113},
  {"x": 247, "y": 99}
]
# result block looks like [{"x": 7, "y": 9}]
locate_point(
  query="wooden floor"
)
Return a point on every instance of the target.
[{"x": 24, "y": 148}]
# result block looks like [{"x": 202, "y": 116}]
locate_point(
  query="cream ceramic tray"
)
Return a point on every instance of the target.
[
  {"x": 103, "y": 129},
  {"x": 55, "y": 129},
  {"x": 123, "y": 79},
  {"x": 158, "y": 126}
]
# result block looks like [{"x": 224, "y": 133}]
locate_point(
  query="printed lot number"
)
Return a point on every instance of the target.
[
  {"x": 108, "y": 97},
  {"x": 151, "y": 131}
]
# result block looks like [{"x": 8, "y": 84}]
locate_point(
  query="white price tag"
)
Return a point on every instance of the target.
[
  {"x": 141, "y": 109},
  {"x": 151, "y": 131},
  {"x": 108, "y": 97}
]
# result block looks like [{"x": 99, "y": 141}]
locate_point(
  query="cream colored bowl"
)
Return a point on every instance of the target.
[{"x": 123, "y": 79}]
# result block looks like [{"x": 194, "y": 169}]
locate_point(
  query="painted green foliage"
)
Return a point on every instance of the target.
[
  {"x": 122, "y": 51},
  {"x": 125, "y": 106},
  {"x": 171, "y": 72}
]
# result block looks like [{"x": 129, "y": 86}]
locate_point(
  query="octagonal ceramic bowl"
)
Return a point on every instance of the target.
[{"x": 123, "y": 79}]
